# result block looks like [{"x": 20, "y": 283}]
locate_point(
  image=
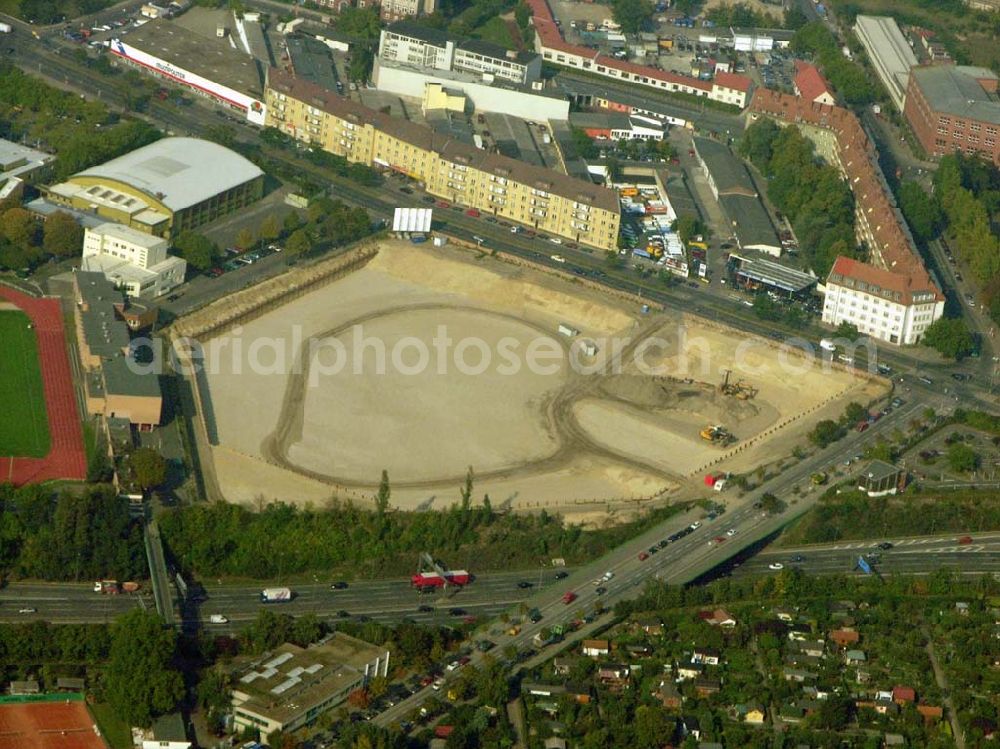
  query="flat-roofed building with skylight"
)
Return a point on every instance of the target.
[
  {"x": 168, "y": 187},
  {"x": 292, "y": 686}
]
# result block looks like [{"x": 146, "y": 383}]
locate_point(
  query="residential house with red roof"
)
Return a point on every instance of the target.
[{"x": 810, "y": 84}]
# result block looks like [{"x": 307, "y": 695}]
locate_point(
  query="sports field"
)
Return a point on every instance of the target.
[
  {"x": 64, "y": 724},
  {"x": 24, "y": 430}
]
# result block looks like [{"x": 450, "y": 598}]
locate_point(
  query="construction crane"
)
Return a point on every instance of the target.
[{"x": 741, "y": 389}]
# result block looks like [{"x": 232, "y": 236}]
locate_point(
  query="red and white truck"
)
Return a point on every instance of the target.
[{"x": 432, "y": 580}]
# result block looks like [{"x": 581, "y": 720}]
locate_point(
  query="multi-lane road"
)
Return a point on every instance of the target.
[
  {"x": 682, "y": 561},
  {"x": 972, "y": 553}
]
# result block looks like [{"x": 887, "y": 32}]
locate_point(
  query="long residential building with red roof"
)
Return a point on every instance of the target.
[
  {"x": 728, "y": 88},
  {"x": 893, "y": 298}
]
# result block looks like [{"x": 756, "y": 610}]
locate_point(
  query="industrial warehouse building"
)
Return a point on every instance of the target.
[
  {"x": 954, "y": 108},
  {"x": 889, "y": 53},
  {"x": 465, "y": 175},
  {"x": 737, "y": 195},
  {"x": 291, "y": 687},
  {"x": 213, "y": 53},
  {"x": 165, "y": 188}
]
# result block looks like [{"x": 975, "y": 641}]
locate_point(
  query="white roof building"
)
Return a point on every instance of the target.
[
  {"x": 412, "y": 219},
  {"x": 179, "y": 172},
  {"x": 132, "y": 260}
]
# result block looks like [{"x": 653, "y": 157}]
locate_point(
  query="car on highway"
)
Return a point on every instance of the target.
[
  {"x": 643, "y": 556},
  {"x": 535, "y": 615},
  {"x": 27, "y": 610},
  {"x": 557, "y": 258},
  {"x": 885, "y": 546},
  {"x": 424, "y": 609},
  {"x": 695, "y": 525},
  {"x": 472, "y": 213},
  {"x": 523, "y": 584},
  {"x": 776, "y": 566},
  {"x": 344, "y": 614},
  {"x": 438, "y": 683},
  {"x": 218, "y": 619},
  {"x": 456, "y": 612},
  {"x": 664, "y": 543},
  {"x": 452, "y": 666},
  {"x": 600, "y": 590},
  {"x": 339, "y": 585},
  {"x": 427, "y": 199},
  {"x": 562, "y": 575},
  {"x": 798, "y": 559},
  {"x": 965, "y": 540},
  {"x": 731, "y": 532},
  {"x": 568, "y": 597},
  {"x": 406, "y": 190},
  {"x": 490, "y": 220},
  {"x": 441, "y": 204},
  {"x": 607, "y": 576},
  {"x": 717, "y": 540}
]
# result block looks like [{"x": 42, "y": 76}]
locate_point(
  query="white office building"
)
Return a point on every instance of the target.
[
  {"x": 885, "y": 305},
  {"x": 134, "y": 261},
  {"x": 422, "y": 47}
]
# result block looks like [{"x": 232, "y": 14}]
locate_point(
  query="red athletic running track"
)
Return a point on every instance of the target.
[{"x": 67, "y": 458}]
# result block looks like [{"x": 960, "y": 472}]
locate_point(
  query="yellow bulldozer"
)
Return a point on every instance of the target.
[{"x": 717, "y": 435}]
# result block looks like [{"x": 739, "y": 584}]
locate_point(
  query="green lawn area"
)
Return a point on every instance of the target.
[
  {"x": 495, "y": 30},
  {"x": 24, "y": 430},
  {"x": 113, "y": 729}
]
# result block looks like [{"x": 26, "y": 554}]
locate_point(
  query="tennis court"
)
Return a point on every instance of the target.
[{"x": 62, "y": 724}]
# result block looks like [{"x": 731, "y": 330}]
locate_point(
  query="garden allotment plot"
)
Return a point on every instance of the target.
[{"x": 24, "y": 429}]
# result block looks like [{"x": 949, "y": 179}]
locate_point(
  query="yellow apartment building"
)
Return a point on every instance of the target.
[{"x": 545, "y": 200}]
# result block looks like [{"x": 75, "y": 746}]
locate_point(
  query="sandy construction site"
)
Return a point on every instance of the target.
[{"x": 426, "y": 362}]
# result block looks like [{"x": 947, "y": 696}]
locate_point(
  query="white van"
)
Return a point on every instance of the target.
[{"x": 218, "y": 619}]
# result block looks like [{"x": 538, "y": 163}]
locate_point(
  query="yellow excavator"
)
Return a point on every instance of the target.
[{"x": 717, "y": 435}]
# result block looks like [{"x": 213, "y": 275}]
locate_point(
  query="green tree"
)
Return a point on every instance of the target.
[
  {"x": 950, "y": 337},
  {"x": 633, "y": 15},
  {"x": 199, "y": 251},
  {"x": 245, "y": 238},
  {"x": 795, "y": 19},
  {"x": 770, "y": 503},
  {"x": 922, "y": 212},
  {"x": 140, "y": 682},
  {"x": 18, "y": 226},
  {"x": 299, "y": 242},
  {"x": 688, "y": 226},
  {"x": 384, "y": 493},
  {"x": 757, "y": 143},
  {"x": 148, "y": 467},
  {"x": 270, "y": 228},
  {"x": 362, "y": 23},
  {"x": 825, "y": 433},
  {"x": 291, "y": 222},
  {"x": 962, "y": 458},
  {"x": 62, "y": 235}
]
